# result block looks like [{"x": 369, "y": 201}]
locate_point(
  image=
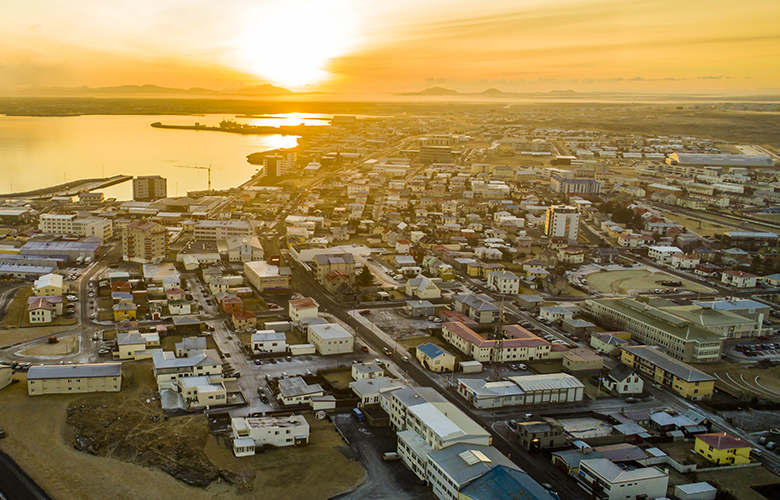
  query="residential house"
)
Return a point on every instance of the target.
[
  {"x": 330, "y": 338},
  {"x": 739, "y": 279},
  {"x": 244, "y": 320},
  {"x": 168, "y": 369},
  {"x": 623, "y": 380},
  {"x": 435, "y": 358},
  {"x": 48, "y": 285},
  {"x": 609, "y": 481},
  {"x": 582, "y": 361},
  {"x": 479, "y": 307},
  {"x": 423, "y": 287},
  {"x": 251, "y": 432},
  {"x": 543, "y": 434},
  {"x": 44, "y": 309},
  {"x": 295, "y": 391},
  {"x": 303, "y": 309},
  {"x": 505, "y": 282},
  {"x": 268, "y": 342},
  {"x": 721, "y": 448},
  {"x": 369, "y": 391},
  {"x": 366, "y": 370}
]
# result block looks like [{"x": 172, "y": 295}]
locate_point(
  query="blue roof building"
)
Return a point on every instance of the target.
[{"x": 504, "y": 483}]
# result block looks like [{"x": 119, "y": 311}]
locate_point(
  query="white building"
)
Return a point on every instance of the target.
[
  {"x": 303, "y": 309},
  {"x": 269, "y": 341},
  {"x": 503, "y": 282},
  {"x": 562, "y": 221},
  {"x": 330, "y": 338},
  {"x": 6, "y": 375},
  {"x": 295, "y": 391},
  {"x": 530, "y": 390},
  {"x": 243, "y": 248},
  {"x": 623, "y": 380},
  {"x": 262, "y": 275},
  {"x": 739, "y": 279},
  {"x": 222, "y": 229},
  {"x": 71, "y": 224},
  {"x": 48, "y": 285},
  {"x": 612, "y": 482},
  {"x": 366, "y": 371},
  {"x": 293, "y": 430},
  {"x": 662, "y": 254},
  {"x": 202, "y": 391},
  {"x": 454, "y": 467},
  {"x": 370, "y": 390},
  {"x": 422, "y": 287},
  {"x": 168, "y": 369}
]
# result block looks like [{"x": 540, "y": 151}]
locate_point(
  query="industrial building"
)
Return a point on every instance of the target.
[{"x": 528, "y": 390}]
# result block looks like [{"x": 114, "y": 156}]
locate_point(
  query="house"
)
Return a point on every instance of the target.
[
  {"x": 179, "y": 307},
  {"x": 330, "y": 338},
  {"x": 479, "y": 307},
  {"x": 540, "y": 434},
  {"x": 125, "y": 312},
  {"x": 552, "y": 314},
  {"x": 244, "y": 320},
  {"x": 695, "y": 491},
  {"x": 48, "y": 284},
  {"x": 612, "y": 482},
  {"x": 203, "y": 391},
  {"x": 419, "y": 308},
  {"x": 624, "y": 381},
  {"x": 685, "y": 261},
  {"x": 295, "y": 391},
  {"x": 721, "y": 448},
  {"x": 505, "y": 282},
  {"x": 366, "y": 370},
  {"x": 577, "y": 327},
  {"x": 435, "y": 358},
  {"x": 190, "y": 345},
  {"x": 218, "y": 284},
  {"x": 582, "y": 361},
  {"x": 168, "y": 369},
  {"x": 269, "y": 341},
  {"x": 369, "y": 390},
  {"x": 738, "y": 279},
  {"x": 42, "y": 310},
  {"x": 302, "y": 309},
  {"x": 231, "y": 304},
  {"x": 74, "y": 379},
  {"x": 607, "y": 342},
  {"x": 131, "y": 346},
  {"x": 662, "y": 254},
  {"x": 6, "y": 376},
  {"x": 250, "y": 432},
  {"x": 423, "y": 288}
]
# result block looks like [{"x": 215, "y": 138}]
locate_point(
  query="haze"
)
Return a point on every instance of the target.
[{"x": 373, "y": 46}]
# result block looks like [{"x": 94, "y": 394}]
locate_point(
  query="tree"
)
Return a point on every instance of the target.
[{"x": 365, "y": 277}]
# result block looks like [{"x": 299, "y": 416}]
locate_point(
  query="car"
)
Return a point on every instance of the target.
[
  {"x": 405, "y": 359},
  {"x": 364, "y": 348},
  {"x": 258, "y": 362},
  {"x": 631, "y": 400},
  {"x": 365, "y": 311},
  {"x": 514, "y": 367},
  {"x": 522, "y": 366},
  {"x": 739, "y": 347},
  {"x": 92, "y": 316},
  {"x": 274, "y": 306},
  {"x": 237, "y": 375},
  {"x": 387, "y": 351},
  {"x": 2, "y": 433}
]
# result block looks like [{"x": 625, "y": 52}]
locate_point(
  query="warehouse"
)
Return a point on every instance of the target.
[
  {"x": 72, "y": 250},
  {"x": 524, "y": 390}
]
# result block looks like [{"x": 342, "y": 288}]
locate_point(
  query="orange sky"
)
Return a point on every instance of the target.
[{"x": 374, "y": 46}]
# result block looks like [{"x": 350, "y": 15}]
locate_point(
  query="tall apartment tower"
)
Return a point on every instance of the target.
[
  {"x": 279, "y": 165},
  {"x": 145, "y": 242},
  {"x": 562, "y": 221},
  {"x": 150, "y": 188}
]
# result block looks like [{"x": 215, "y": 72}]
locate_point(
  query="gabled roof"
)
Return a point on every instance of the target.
[
  {"x": 723, "y": 441},
  {"x": 432, "y": 350}
]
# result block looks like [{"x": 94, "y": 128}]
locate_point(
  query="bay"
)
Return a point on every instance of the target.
[{"x": 36, "y": 152}]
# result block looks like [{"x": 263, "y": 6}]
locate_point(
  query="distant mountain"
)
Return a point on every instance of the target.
[
  {"x": 563, "y": 92},
  {"x": 434, "y": 91},
  {"x": 492, "y": 91},
  {"x": 264, "y": 89}
]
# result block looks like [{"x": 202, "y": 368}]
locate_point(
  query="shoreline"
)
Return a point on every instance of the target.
[{"x": 298, "y": 130}]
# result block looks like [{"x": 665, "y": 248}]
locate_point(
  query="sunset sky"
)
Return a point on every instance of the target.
[{"x": 372, "y": 46}]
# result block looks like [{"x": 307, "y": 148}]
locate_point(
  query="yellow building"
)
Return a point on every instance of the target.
[
  {"x": 683, "y": 379},
  {"x": 435, "y": 358},
  {"x": 474, "y": 269},
  {"x": 125, "y": 312},
  {"x": 723, "y": 449}
]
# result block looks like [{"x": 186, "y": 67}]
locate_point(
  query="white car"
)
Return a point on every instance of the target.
[{"x": 72, "y": 298}]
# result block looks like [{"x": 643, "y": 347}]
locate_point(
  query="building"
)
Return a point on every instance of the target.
[
  {"x": 323, "y": 264},
  {"x": 419, "y": 308},
  {"x": 71, "y": 224},
  {"x": 203, "y": 391},
  {"x": 519, "y": 345},
  {"x": 430, "y": 427},
  {"x": 749, "y": 240},
  {"x": 6, "y": 376},
  {"x": 330, "y": 338},
  {"x": 695, "y": 491},
  {"x": 422, "y": 287},
  {"x": 562, "y": 221},
  {"x": 608, "y": 481},
  {"x": 540, "y": 434},
  {"x": 561, "y": 185},
  {"x": 582, "y": 361},
  {"x": 505, "y": 282},
  {"x": 435, "y": 358},
  {"x": 149, "y": 188},
  {"x": 295, "y": 391},
  {"x": 722, "y": 449},
  {"x": 145, "y": 242},
  {"x": 57, "y": 249},
  {"x": 685, "y": 380},
  {"x": 624, "y": 381},
  {"x": 264, "y": 276},
  {"x": 479, "y": 307},
  {"x": 663, "y": 254},
  {"x": 504, "y": 483},
  {"x": 48, "y": 285},
  {"x": 244, "y": 320},
  {"x": 720, "y": 160},
  {"x": 738, "y": 279},
  {"x": 453, "y": 467},
  {"x": 682, "y": 338},
  {"x": 366, "y": 371},
  {"x": 204, "y": 252},
  {"x": 243, "y": 249},
  {"x": 217, "y": 230},
  {"x": 168, "y": 369},
  {"x": 269, "y": 341},
  {"x": 528, "y": 390},
  {"x": 370, "y": 390},
  {"x": 303, "y": 309},
  {"x": 74, "y": 379},
  {"x": 290, "y": 430}
]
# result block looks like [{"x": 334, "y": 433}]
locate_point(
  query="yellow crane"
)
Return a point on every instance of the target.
[{"x": 199, "y": 168}]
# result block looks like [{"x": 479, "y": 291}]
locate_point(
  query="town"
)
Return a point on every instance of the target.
[{"x": 472, "y": 307}]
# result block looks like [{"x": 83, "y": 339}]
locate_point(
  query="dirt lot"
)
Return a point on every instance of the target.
[
  {"x": 64, "y": 347},
  {"x": 740, "y": 380},
  {"x": 739, "y": 481},
  {"x": 397, "y": 324},
  {"x": 17, "y": 335},
  {"x": 339, "y": 379},
  {"x": 43, "y": 444},
  {"x": 623, "y": 282}
]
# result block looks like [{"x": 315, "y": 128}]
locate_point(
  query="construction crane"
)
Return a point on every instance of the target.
[{"x": 199, "y": 168}]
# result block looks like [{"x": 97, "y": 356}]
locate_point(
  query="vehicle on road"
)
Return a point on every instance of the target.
[
  {"x": 364, "y": 348},
  {"x": 405, "y": 359},
  {"x": 390, "y": 456},
  {"x": 365, "y": 311},
  {"x": 631, "y": 400},
  {"x": 387, "y": 351},
  {"x": 358, "y": 414}
]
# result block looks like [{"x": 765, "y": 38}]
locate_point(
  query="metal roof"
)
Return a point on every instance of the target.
[
  {"x": 547, "y": 382},
  {"x": 669, "y": 364},
  {"x": 75, "y": 371},
  {"x": 463, "y": 462},
  {"x": 502, "y": 483}
]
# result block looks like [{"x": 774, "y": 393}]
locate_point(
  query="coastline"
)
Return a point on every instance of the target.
[{"x": 298, "y": 130}]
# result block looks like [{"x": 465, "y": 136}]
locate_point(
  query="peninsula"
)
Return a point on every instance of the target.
[{"x": 242, "y": 128}]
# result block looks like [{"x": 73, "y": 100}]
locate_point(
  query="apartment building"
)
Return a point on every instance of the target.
[
  {"x": 145, "y": 242},
  {"x": 149, "y": 188},
  {"x": 519, "y": 344},
  {"x": 217, "y": 230},
  {"x": 562, "y": 221},
  {"x": 74, "y": 379},
  {"x": 683, "y": 379},
  {"x": 168, "y": 369},
  {"x": 71, "y": 224}
]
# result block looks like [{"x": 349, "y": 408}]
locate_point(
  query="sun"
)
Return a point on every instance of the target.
[{"x": 291, "y": 42}]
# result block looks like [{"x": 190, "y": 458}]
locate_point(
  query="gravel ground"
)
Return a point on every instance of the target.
[
  {"x": 397, "y": 324},
  {"x": 753, "y": 420}
]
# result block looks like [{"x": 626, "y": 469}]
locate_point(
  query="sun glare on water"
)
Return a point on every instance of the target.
[{"x": 290, "y": 43}]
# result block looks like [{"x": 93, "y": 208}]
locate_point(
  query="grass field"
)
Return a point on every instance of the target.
[
  {"x": 64, "y": 347},
  {"x": 40, "y": 441},
  {"x": 707, "y": 228},
  {"x": 17, "y": 308},
  {"x": 738, "y": 380},
  {"x": 623, "y": 282}
]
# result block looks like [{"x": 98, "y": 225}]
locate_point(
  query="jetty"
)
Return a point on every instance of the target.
[{"x": 71, "y": 188}]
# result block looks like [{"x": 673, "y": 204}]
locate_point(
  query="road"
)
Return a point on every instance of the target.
[{"x": 15, "y": 484}]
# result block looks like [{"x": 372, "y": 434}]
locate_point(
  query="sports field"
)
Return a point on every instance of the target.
[{"x": 626, "y": 281}]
